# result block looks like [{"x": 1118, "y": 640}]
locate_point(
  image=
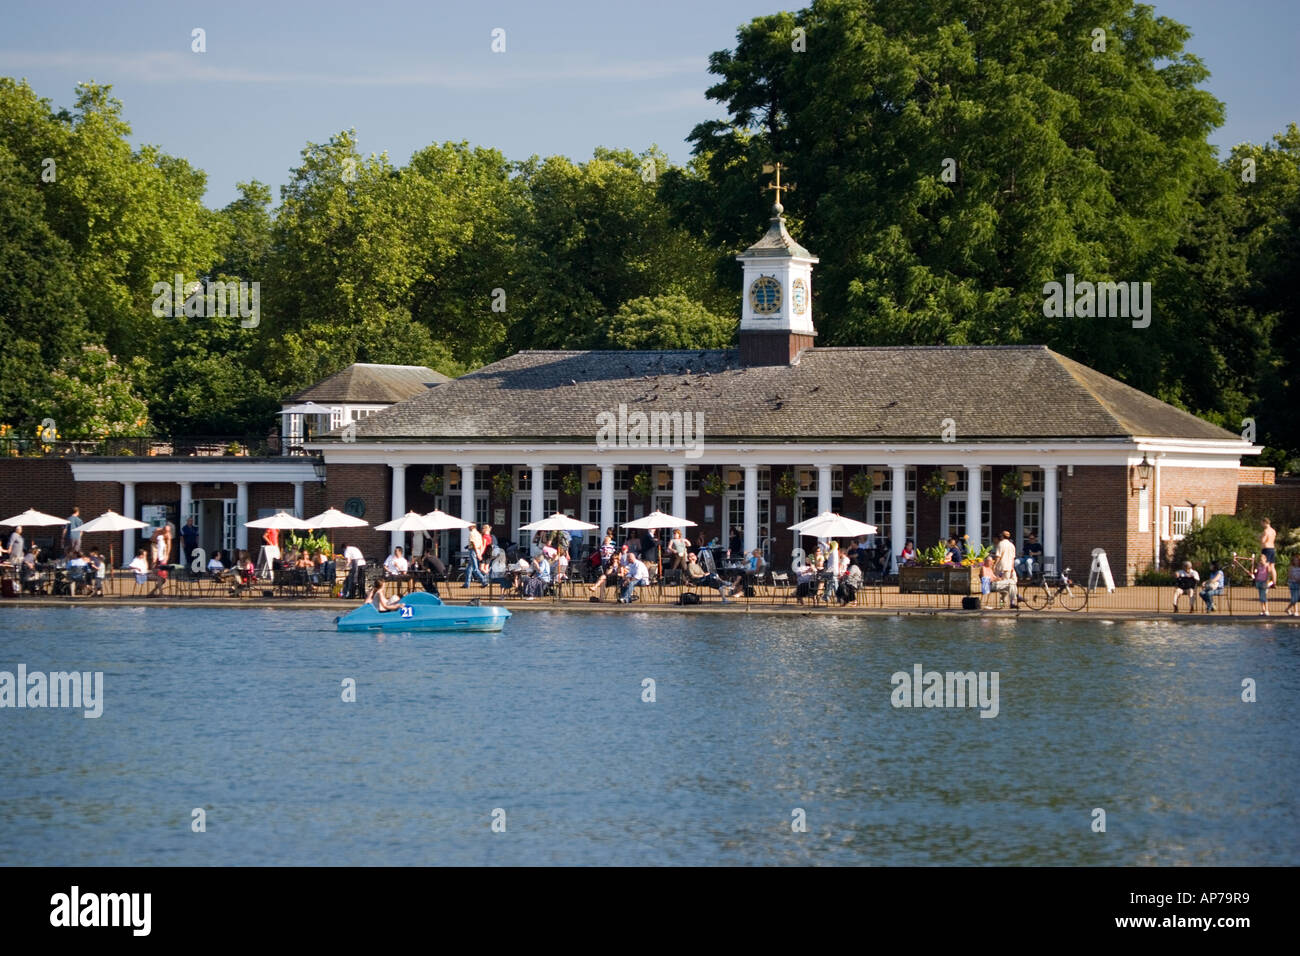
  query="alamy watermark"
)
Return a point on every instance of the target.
[
  {"x": 951, "y": 689},
  {"x": 84, "y": 689},
  {"x": 669, "y": 431},
  {"x": 1086, "y": 300},
  {"x": 209, "y": 300}
]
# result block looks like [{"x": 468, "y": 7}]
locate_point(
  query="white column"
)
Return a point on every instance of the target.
[
  {"x": 974, "y": 501},
  {"x": 751, "y": 508},
  {"x": 823, "y": 488},
  {"x": 466, "y": 500},
  {"x": 679, "y": 493},
  {"x": 535, "y": 489},
  {"x": 606, "y": 501},
  {"x": 298, "y": 503},
  {"x": 1050, "y": 550},
  {"x": 396, "y": 538},
  {"x": 131, "y": 535},
  {"x": 241, "y": 515},
  {"x": 898, "y": 513}
]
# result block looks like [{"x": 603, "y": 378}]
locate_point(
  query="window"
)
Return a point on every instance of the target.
[
  {"x": 593, "y": 515},
  {"x": 1035, "y": 480},
  {"x": 481, "y": 509},
  {"x": 764, "y": 480},
  {"x": 524, "y": 480},
  {"x": 592, "y": 477},
  {"x": 837, "y": 480},
  {"x": 620, "y": 514},
  {"x": 551, "y": 480},
  {"x": 622, "y": 479},
  {"x": 1182, "y": 520},
  {"x": 735, "y": 478},
  {"x": 453, "y": 479},
  {"x": 911, "y": 479},
  {"x": 1031, "y": 519},
  {"x": 807, "y": 479},
  {"x": 692, "y": 481},
  {"x": 986, "y": 480},
  {"x": 482, "y": 480},
  {"x": 956, "y": 517}
]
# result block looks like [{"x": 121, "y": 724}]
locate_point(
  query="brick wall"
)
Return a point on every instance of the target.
[
  {"x": 1280, "y": 502},
  {"x": 1097, "y": 512},
  {"x": 373, "y": 485},
  {"x": 1255, "y": 476}
]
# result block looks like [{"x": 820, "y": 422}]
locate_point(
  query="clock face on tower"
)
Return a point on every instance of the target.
[
  {"x": 765, "y": 295},
  {"x": 799, "y": 296}
]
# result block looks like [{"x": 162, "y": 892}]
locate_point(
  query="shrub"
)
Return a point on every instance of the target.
[
  {"x": 1217, "y": 540},
  {"x": 1152, "y": 576}
]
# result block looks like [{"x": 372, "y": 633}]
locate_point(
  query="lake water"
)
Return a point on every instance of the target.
[{"x": 240, "y": 712}]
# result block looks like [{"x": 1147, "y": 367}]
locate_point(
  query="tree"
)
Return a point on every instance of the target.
[{"x": 663, "y": 322}]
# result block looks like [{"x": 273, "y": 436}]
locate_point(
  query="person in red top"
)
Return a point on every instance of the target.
[
  {"x": 487, "y": 541},
  {"x": 271, "y": 536}
]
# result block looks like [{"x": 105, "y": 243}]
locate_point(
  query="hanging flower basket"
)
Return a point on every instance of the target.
[
  {"x": 571, "y": 484},
  {"x": 935, "y": 486},
  {"x": 641, "y": 484},
  {"x": 713, "y": 484},
  {"x": 431, "y": 484},
  {"x": 503, "y": 484},
  {"x": 1013, "y": 484},
  {"x": 786, "y": 486},
  {"x": 861, "y": 484}
]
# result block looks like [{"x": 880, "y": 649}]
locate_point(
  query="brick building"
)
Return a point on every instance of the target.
[{"x": 744, "y": 441}]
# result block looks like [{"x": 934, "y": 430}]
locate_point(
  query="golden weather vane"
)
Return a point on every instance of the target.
[{"x": 777, "y": 187}]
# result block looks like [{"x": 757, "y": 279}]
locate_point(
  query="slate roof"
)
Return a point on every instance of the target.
[
  {"x": 777, "y": 243},
  {"x": 362, "y": 382},
  {"x": 993, "y": 393}
]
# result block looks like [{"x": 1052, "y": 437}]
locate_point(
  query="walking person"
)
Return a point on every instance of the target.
[
  {"x": 356, "y": 580},
  {"x": 1268, "y": 548},
  {"x": 1004, "y": 564},
  {"x": 1293, "y": 582},
  {"x": 1260, "y": 575},
  {"x": 72, "y": 530},
  {"x": 474, "y": 558}
]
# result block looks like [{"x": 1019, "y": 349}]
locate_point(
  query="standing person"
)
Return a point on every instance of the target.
[
  {"x": 649, "y": 547},
  {"x": 488, "y": 541},
  {"x": 99, "y": 569},
  {"x": 1268, "y": 546},
  {"x": 986, "y": 583},
  {"x": 677, "y": 548},
  {"x": 1004, "y": 564},
  {"x": 72, "y": 530},
  {"x": 1293, "y": 582},
  {"x": 16, "y": 546},
  {"x": 356, "y": 581},
  {"x": 474, "y": 556},
  {"x": 189, "y": 538},
  {"x": 161, "y": 552},
  {"x": 1260, "y": 575}
]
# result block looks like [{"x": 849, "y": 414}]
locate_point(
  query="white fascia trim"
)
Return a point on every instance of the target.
[
  {"x": 1225, "y": 454},
  {"x": 177, "y": 470}
]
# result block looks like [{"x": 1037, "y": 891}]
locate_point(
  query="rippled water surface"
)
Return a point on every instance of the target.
[{"x": 240, "y": 712}]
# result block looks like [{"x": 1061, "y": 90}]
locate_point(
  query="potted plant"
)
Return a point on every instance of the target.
[
  {"x": 935, "y": 486},
  {"x": 713, "y": 484},
  {"x": 503, "y": 484},
  {"x": 861, "y": 484},
  {"x": 1013, "y": 484},
  {"x": 931, "y": 576}
]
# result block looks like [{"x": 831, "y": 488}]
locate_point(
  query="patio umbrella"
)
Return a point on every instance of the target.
[
  {"x": 658, "y": 519},
  {"x": 34, "y": 518},
  {"x": 281, "y": 521},
  {"x": 558, "y": 522},
  {"x": 333, "y": 518},
  {"x": 411, "y": 521},
  {"x": 441, "y": 521},
  {"x": 830, "y": 525},
  {"x": 112, "y": 521}
]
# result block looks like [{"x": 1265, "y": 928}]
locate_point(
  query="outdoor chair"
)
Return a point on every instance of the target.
[{"x": 779, "y": 583}]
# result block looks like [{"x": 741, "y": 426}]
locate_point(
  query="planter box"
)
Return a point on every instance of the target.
[{"x": 939, "y": 580}]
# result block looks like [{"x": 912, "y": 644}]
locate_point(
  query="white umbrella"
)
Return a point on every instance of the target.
[
  {"x": 112, "y": 521},
  {"x": 34, "y": 518},
  {"x": 333, "y": 518},
  {"x": 657, "y": 519},
  {"x": 830, "y": 525},
  {"x": 281, "y": 520},
  {"x": 411, "y": 521},
  {"x": 558, "y": 522},
  {"x": 441, "y": 521}
]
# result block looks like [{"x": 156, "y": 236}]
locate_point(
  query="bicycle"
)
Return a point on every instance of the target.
[{"x": 1053, "y": 590}]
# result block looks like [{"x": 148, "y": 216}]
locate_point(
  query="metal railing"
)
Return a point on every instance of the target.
[{"x": 152, "y": 446}]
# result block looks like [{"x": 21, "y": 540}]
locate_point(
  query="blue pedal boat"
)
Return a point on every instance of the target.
[{"x": 422, "y": 611}]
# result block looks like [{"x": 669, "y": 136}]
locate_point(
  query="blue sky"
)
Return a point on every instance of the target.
[{"x": 405, "y": 74}]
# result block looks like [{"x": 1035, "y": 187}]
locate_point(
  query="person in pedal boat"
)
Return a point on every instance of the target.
[{"x": 379, "y": 602}]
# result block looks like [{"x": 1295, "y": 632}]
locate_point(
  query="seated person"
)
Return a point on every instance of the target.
[
  {"x": 907, "y": 557},
  {"x": 847, "y": 590},
  {"x": 1214, "y": 586},
  {"x": 701, "y": 579},
  {"x": 1007, "y": 582},
  {"x": 215, "y": 566},
  {"x": 379, "y": 602},
  {"x": 1032, "y": 562},
  {"x": 499, "y": 571},
  {"x": 1186, "y": 581},
  {"x": 952, "y": 553},
  {"x": 756, "y": 564},
  {"x": 638, "y": 576},
  {"x": 395, "y": 565},
  {"x": 535, "y": 586},
  {"x": 31, "y": 578},
  {"x": 140, "y": 566}
]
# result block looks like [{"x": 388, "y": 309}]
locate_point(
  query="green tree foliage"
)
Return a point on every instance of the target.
[
  {"x": 663, "y": 322},
  {"x": 92, "y": 395},
  {"x": 1062, "y": 158}
]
